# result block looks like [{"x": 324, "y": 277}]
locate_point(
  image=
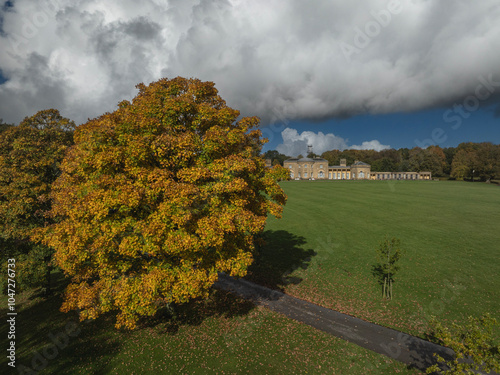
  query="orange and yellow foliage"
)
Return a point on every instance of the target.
[{"x": 158, "y": 197}]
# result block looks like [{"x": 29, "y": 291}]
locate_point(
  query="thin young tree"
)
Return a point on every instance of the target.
[{"x": 388, "y": 254}]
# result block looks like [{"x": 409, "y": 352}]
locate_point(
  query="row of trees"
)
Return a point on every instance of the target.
[
  {"x": 141, "y": 208},
  {"x": 468, "y": 160}
]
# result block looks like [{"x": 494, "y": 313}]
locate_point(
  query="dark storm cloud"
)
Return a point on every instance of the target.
[
  {"x": 308, "y": 60},
  {"x": 38, "y": 89}
]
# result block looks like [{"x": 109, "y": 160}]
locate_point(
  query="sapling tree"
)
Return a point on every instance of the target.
[{"x": 388, "y": 254}]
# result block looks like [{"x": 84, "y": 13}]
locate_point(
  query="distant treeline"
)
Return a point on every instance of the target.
[{"x": 468, "y": 160}]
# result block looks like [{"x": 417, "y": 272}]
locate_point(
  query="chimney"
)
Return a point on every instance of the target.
[
  {"x": 309, "y": 149},
  {"x": 343, "y": 162}
]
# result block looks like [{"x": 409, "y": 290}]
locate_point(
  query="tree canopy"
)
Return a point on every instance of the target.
[
  {"x": 30, "y": 155},
  {"x": 276, "y": 157},
  {"x": 4, "y": 125},
  {"x": 158, "y": 197}
]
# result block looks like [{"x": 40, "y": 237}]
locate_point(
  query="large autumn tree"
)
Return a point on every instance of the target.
[
  {"x": 158, "y": 197},
  {"x": 30, "y": 155}
]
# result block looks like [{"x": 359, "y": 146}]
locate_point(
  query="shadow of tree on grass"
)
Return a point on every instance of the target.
[
  {"x": 219, "y": 303},
  {"x": 52, "y": 342},
  {"x": 281, "y": 254},
  {"x": 275, "y": 260}
]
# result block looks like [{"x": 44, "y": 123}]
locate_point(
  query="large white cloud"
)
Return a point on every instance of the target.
[
  {"x": 295, "y": 144},
  {"x": 370, "y": 145},
  {"x": 309, "y": 60}
]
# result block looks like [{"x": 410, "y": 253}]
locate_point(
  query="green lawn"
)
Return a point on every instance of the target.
[
  {"x": 223, "y": 335},
  {"x": 321, "y": 250},
  {"x": 450, "y": 232}
]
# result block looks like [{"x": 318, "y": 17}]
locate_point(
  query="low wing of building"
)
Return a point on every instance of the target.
[{"x": 318, "y": 169}]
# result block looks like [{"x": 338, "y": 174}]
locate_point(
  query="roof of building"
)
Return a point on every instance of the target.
[
  {"x": 361, "y": 163},
  {"x": 339, "y": 166},
  {"x": 306, "y": 159}
]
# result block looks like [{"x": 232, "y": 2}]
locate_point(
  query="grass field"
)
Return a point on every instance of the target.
[
  {"x": 223, "y": 335},
  {"x": 321, "y": 250},
  {"x": 450, "y": 232}
]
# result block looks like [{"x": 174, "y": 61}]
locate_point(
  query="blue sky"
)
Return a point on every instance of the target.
[{"x": 399, "y": 130}]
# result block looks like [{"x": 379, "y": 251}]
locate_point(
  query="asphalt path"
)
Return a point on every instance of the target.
[{"x": 411, "y": 350}]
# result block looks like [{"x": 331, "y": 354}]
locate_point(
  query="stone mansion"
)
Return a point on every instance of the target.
[{"x": 318, "y": 169}]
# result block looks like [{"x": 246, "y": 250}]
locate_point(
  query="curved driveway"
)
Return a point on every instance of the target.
[{"x": 400, "y": 346}]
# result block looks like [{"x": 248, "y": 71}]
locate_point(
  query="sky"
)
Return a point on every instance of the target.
[{"x": 365, "y": 74}]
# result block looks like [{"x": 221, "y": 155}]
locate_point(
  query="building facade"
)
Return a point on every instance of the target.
[
  {"x": 307, "y": 168},
  {"x": 318, "y": 169},
  {"x": 339, "y": 172}
]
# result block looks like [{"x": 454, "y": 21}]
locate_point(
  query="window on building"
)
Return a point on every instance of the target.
[
  {"x": 291, "y": 174},
  {"x": 305, "y": 166},
  {"x": 290, "y": 166},
  {"x": 305, "y": 174},
  {"x": 321, "y": 166},
  {"x": 321, "y": 174}
]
